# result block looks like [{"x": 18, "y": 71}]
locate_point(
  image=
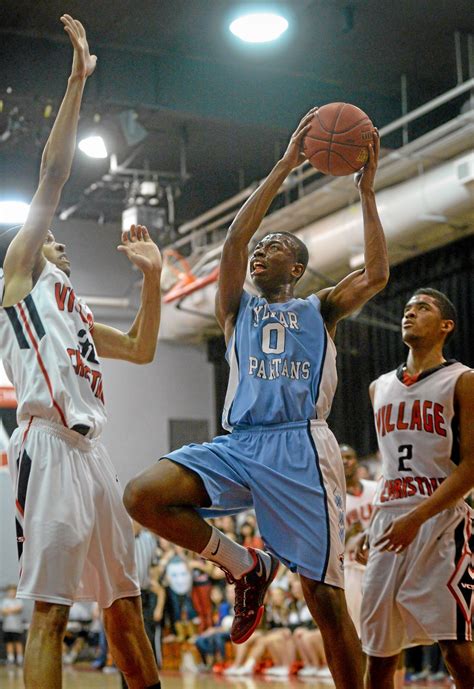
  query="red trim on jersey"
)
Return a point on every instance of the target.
[
  {"x": 19, "y": 508},
  {"x": 408, "y": 379},
  {"x": 41, "y": 365},
  {"x": 25, "y": 434}
]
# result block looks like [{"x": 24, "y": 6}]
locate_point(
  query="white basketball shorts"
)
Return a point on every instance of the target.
[
  {"x": 425, "y": 593},
  {"x": 353, "y": 579},
  {"x": 75, "y": 539}
]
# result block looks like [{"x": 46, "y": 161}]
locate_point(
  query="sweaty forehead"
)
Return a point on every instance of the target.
[
  {"x": 276, "y": 238},
  {"x": 421, "y": 299}
]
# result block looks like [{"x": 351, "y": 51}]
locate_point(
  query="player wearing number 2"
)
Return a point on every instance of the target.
[
  {"x": 418, "y": 585},
  {"x": 281, "y": 457}
]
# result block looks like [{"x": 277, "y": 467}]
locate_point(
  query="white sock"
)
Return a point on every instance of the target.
[
  {"x": 233, "y": 557},
  {"x": 11, "y": 658}
]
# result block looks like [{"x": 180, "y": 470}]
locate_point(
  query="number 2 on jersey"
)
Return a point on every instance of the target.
[{"x": 405, "y": 452}]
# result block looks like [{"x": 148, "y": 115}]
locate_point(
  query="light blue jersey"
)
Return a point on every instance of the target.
[
  {"x": 281, "y": 458},
  {"x": 282, "y": 364}
]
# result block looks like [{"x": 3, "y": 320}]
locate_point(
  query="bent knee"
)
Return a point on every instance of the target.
[{"x": 133, "y": 496}]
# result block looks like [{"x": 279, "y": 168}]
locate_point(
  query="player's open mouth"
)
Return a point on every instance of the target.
[{"x": 257, "y": 267}]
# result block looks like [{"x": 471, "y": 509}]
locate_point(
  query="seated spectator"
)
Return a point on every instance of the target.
[
  {"x": 277, "y": 641},
  {"x": 12, "y": 613},
  {"x": 178, "y": 611},
  {"x": 248, "y": 536},
  {"x": 201, "y": 592},
  {"x": 211, "y": 644},
  {"x": 77, "y": 630}
]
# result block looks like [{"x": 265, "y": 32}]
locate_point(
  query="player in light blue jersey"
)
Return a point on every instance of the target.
[{"x": 280, "y": 458}]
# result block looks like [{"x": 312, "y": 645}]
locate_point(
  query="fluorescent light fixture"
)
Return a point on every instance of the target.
[
  {"x": 13, "y": 212},
  {"x": 259, "y": 27},
  {"x": 94, "y": 147}
]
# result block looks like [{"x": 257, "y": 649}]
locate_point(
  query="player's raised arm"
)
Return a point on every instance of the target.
[
  {"x": 356, "y": 289},
  {"x": 138, "y": 345},
  {"x": 234, "y": 259},
  {"x": 24, "y": 259}
]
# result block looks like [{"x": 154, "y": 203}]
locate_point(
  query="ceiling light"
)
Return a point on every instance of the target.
[
  {"x": 94, "y": 147},
  {"x": 13, "y": 212},
  {"x": 259, "y": 27}
]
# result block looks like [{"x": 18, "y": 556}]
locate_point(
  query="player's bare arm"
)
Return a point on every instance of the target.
[
  {"x": 358, "y": 287},
  {"x": 138, "y": 345},
  {"x": 403, "y": 530},
  {"x": 24, "y": 260},
  {"x": 233, "y": 267}
]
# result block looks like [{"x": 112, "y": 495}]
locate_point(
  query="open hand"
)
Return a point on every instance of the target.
[
  {"x": 83, "y": 63},
  {"x": 398, "y": 536},
  {"x": 140, "y": 249},
  {"x": 294, "y": 155},
  {"x": 364, "y": 179}
]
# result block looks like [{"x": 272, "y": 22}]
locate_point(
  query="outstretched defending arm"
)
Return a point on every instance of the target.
[
  {"x": 24, "y": 260},
  {"x": 233, "y": 267},
  {"x": 138, "y": 345},
  {"x": 351, "y": 293}
]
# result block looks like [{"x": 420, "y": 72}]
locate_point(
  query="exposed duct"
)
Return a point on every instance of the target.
[{"x": 429, "y": 210}]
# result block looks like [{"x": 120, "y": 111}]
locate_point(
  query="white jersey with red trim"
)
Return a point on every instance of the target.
[
  {"x": 417, "y": 433},
  {"x": 359, "y": 510},
  {"x": 48, "y": 353}
]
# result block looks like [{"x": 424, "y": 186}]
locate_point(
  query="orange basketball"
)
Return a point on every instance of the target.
[{"x": 337, "y": 142}]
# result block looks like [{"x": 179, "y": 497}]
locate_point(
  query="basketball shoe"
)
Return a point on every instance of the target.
[{"x": 250, "y": 591}]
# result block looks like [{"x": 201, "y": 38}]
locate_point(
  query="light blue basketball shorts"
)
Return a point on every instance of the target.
[{"x": 292, "y": 475}]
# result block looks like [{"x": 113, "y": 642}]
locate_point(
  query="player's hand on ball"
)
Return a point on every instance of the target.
[
  {"x": 83, "y": 63},
  {"x": 364, "y": 179},
  {"x": 140, "y": 249},
  {"x": 398, "y": 536},
  {"x": 294, "y": 155}
]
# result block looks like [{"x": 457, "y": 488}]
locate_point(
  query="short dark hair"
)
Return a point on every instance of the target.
[
  {"x": 301, "y": 250},
  {"x": 445, "y": 306}
]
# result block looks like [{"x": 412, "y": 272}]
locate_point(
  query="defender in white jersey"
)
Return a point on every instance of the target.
[
  {"x": 419, "y": 583},
  {"x": 360, "y": 495},
  {"x": 280, "y": 456},
  {"x": 75, "y": 539}
]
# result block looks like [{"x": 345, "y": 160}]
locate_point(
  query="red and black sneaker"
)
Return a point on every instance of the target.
[{"x": 250, "y": 591}]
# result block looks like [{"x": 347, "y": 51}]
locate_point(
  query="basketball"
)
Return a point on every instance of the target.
[{"x": 337, "y": 142}]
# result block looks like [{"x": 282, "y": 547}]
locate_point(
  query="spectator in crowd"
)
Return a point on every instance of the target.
[
  {"x": 179, "y": 613},
  {"x": 77, "y": 631},
  {"x": 146, "y": 557},
  {"x": 248, "y": 536},
  {"x": 201, "y": 592},
  {"x": 212, "y": 643},
  {"x": 12, "y": 613}
]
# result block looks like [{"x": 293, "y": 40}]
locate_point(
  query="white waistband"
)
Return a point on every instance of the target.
[{"x": 71, "y": 437}]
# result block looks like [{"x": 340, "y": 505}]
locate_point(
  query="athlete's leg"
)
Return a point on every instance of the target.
[
  {"x": 164, "y": 497},
  {"x": 380, "y": 672},
  {"x": 341, "y": 643},
  {"x": 129, "y": 644},
  {"x": 459, "y": 659},
  {"x": 44, "y": 646}
]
